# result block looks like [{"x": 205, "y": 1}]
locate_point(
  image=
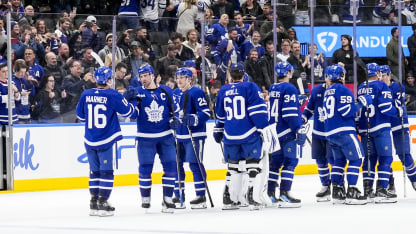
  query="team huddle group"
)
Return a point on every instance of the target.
[{"x": 260, "y": 140}]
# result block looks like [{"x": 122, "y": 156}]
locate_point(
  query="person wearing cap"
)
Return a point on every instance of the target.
[
  {"x": 392, "y": 54},
  {"x": 91, "y": 37},
  {"x": 108, "y": 49},
  {"x": 135, "y": 60},
  {"x": 344, "y": 56}
]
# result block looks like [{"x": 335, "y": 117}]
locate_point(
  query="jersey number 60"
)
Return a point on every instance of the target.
[{"x": 236, "y": 109}]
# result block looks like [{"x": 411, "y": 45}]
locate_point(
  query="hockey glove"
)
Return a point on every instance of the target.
[
  {"x": 302, "y": 99},
  {"x": 301, "y": 135},
  {"x": 175, "y": 124},
  {"x": 130, "y": 94},
  {"x": 218, "y": 134},
  {"x": 190, "y": 120},
  {"x": 270, "y": 139},
  {"x": 304, "y": 119},
  {"x": 399, "y": 108},
  {"x": 365, "y": 100}
]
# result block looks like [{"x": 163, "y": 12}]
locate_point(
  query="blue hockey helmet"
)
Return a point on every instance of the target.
[
  {"x": 327, "y": 71},
  {"x": 385, "y": 69},
  {"x": 102, "y": 75},
  {"x": 237, "y": 67},
  {"x": 336, "y": 72},
  {"x": 145, "y": 69},
  {"x": 282, "y": 69},
  {"x": 184, "y": 71},
  {"x": 372, "y": 69}
]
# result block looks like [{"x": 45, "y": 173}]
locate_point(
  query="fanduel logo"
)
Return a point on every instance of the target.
[
  {"x": 322, "y": 40},
  {"x": 23, "y": 153}
]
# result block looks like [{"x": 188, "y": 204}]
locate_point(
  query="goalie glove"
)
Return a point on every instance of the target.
[{"x": 270, "y": 139}]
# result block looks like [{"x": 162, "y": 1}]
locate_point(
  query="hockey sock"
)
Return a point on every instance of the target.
[
  {"x": 275, "y": 165},
  {"x": 145, "y": 179},
  {"x": 337, "y": 172},
  {"x": 198, "y": 181},
  {"x": 287, "y": 173},
  {"x": 410, "y": 167},
  {"x": 384, "y": 171},
  {"x": 94, "y": 183},
  {"x": 106, "y": 183},
  {"x": 182, "y": 173},
  {"x": 369, "y": 176},
  {"x": 353, "y": 172},
  {"x": 168, "y": 178},
  {"x": 323, "y": 171}
]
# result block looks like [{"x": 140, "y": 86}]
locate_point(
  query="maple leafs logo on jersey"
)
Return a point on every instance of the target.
[
  {"x": 154, "y": 113},
  {"x": 322, "y": 114}
]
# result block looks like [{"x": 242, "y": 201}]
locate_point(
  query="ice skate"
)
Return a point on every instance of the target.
[
  {"x": 414, "y": 185},
  {"x": 177, "y": 202},
  {"x": 391, "y": 188},
  {"x": 368, "y": 191},
  {"x": 145, "y": 202},
  {"x": 105, "y": 208},
  {"x": 228, "y": 204},
  {"x": 287, "y": 201},
  {"x": 252, "y": 204},
  {"x": 324, "y": 195},
  {"x": 384, "y": 196},
  {"x": 200, "y": 202},
  {"x": 94, "y": 206},
  {"x": 272, "y": 196},
  {"x": 167, "y": 205},
  {"x": 354, "y": 197},
  {"x": 338, "y": 194}
]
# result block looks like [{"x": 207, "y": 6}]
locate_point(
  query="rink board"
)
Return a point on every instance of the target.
[{"x": 51, "y": 157}]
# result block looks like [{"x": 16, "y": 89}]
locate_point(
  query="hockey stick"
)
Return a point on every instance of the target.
[
  {"x": 185, "y": 103},
  {"x": 401, "y": 96},
  {"x": 177, "y": 150},
  {"x": 215, "y": 116}
]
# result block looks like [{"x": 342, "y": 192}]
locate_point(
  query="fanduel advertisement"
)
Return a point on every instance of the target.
[{"x": 371, "y": 40}]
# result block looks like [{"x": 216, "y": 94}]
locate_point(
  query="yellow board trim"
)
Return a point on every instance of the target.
[{"x": 132, "y": 179}]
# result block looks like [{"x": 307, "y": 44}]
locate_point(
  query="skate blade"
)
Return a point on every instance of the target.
[
  {"x": 179, "y": 207},
  {"x": 355, "y": 202},
  {"x": 254, "y": 207},
  {"x": 323, "y": 199},
  {"x": 230, "y": 207},
  {"x": 381, "y": 200},
  {"x": 94, "y": 213},
  {"x": 103, "y": 213},
  {"x": 168, "y": 210},
  {"x": 338, "y": 202},
  {"x": 199, "y": 206},
  {"x": 289, "y": 205}
]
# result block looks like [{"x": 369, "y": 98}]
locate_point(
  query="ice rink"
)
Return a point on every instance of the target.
[{"x": 67, "y": 212}]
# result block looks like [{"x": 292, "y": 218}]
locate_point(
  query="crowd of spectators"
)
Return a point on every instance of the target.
[{"x": 57, "y": 45}]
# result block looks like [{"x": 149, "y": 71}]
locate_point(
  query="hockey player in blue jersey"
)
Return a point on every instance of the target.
[
  {"x": 340, "y": 113},
  {"x": 98, "y": 108},
  {"x": 400, "y": 135},
  {"x": 242, "y": 123},
  {"x": 321, "y": 150},
  {"x": 193, "y": 112},
  {"x": 284, "y": 109},
  {"x": 378, "y": 145},
  {"x": 155, "y": 122}
]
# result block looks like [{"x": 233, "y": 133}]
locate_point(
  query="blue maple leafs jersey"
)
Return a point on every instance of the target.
[
  {"x": 129, "y": 8},
  {"x": 340, "y": 111},
  {"x": 4, "y": 107},
  {"x": 380, "y": 111},
  {"x": 154, "y": 113},
  {"x": 197, "y": 105},
  {"x": 23, "y": 105},
  {"x": 36, "y": 71},
  {"x": 284, "y": 108},
  {"x": 241, "y": 109},
  {"x": 98, "y": 108},
  {"x": 315, "y": 107},
  {"x": 399, "y": 97},
  {"x": 215, "y": 34}
]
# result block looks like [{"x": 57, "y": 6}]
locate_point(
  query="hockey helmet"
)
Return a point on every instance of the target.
[
  {"x": 385, "y": 69},
  {"x": 184, "y": 71},
  {"x": 145, "y": 69},
  {"x": 373, "y": 69},
  {"x": 336, "y": 72},
  {"x": 102, "y": 75},
  {"x": 282, "y": 69}
]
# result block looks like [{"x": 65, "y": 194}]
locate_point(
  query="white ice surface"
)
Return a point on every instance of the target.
[{"x": 67, "y": 212}]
